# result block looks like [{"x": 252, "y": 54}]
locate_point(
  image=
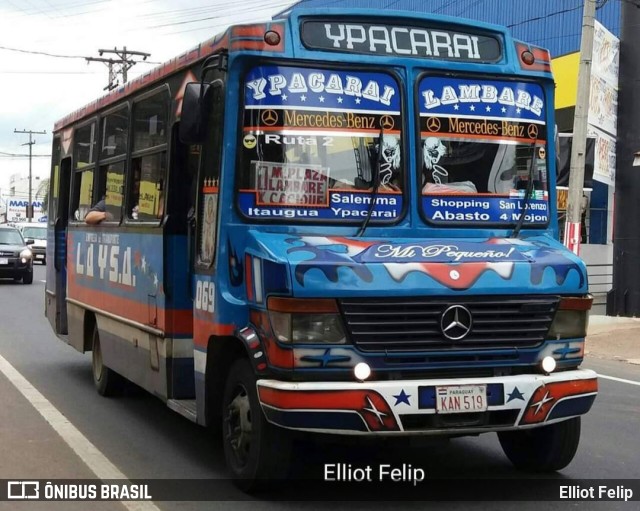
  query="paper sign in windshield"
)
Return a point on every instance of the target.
[{"x": 287, "y": 184}]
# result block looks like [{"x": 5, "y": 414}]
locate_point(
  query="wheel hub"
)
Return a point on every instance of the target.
[{"x": 238, "y": 425}]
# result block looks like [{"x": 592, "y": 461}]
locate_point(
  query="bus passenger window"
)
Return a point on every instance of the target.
[
  {"x": 84, "y": 158},
  {"x": 146, "y": 195},
  {"x": 113, "y": 176}
]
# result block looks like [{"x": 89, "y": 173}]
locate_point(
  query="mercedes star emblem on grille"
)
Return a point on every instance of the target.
[{"x": 456, "y": 322}]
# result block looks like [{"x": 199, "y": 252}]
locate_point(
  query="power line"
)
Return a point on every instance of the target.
[{"x": 545, "y": 16}]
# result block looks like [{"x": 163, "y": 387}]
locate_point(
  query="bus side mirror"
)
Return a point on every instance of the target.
[{"x": 196, "y": 104}]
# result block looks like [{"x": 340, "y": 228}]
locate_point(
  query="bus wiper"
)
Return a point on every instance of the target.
[
  {"x": 527, "y": 195},
  {"x": 376, "y": 185}
]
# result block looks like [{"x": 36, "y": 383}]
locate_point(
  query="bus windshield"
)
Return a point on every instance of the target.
[
  {"x": 310, "y": 141},
  {"x": 481, "y": 143}
]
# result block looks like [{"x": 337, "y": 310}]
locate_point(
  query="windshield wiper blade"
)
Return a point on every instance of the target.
[
  {"x": 376, "y": 185},
  {"x": 527, "y": 194}
]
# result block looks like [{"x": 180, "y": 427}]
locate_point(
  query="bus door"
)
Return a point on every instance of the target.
[
  {"x": 204, "y": 228},
  {"x": 178, "y": 267},
  {"x": 56, "y": 286}
]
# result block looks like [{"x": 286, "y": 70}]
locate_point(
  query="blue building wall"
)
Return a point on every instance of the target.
[{"x": 553, "y": 24}]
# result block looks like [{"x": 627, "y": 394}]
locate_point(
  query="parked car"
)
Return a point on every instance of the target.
[
  {"x": 38, "y": 233},
  {"x": 16, "y": 258}
]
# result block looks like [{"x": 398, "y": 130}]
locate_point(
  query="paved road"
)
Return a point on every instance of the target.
[{"x": 146, "y": 440}]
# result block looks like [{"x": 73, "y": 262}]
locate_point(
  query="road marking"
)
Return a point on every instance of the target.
[
  {"x": 43, "y": 281},
  {"x": 97, "y": 462},
  {"x": 622, "y": 380}
]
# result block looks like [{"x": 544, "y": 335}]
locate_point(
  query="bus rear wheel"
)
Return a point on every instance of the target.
[
  {"x": 108, "y": 383},
  {"x": 257, "y": 453},
  {"x": 545, "y": 449}
]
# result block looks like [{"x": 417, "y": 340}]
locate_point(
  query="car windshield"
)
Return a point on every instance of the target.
[
  {"x": 310, "y": 143},
  {"x": 10, "y": 237},
  {"x": 36, "y": 233},
  {"x": 482, "y": 141}
]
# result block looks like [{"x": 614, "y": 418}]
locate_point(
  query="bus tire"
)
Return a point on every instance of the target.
[
  {"x": 257, "y": 453},
  {"x": 545, "y": 449},
  {"x": 108, "y": 383}
]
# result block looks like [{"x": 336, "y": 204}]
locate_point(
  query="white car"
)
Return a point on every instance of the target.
[{"x": 38, "y": 233}]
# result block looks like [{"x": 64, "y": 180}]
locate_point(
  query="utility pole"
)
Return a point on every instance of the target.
[
  {"x": 572, "y": 231},
  {"x": 120, "y": 65},
  {"x": 30, "y": 144}
]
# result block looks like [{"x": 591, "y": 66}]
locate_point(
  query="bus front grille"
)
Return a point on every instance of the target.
[{"x": 415, "y": 323}]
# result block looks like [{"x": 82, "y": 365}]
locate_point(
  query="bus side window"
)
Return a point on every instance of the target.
[
  {"x": 145, "y": 200},
  {"x": 115, "y": 130},
  {"x": 84, "y": 159}
]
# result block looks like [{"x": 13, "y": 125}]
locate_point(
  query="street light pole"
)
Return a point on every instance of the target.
[
  {"x": 572, "y": 231},
  {"x": 30, "y": 144}
]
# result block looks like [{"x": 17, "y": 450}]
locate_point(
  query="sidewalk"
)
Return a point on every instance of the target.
[{"x": 614, "y": 338}]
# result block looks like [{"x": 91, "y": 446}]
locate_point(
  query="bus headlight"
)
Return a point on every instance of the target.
[
  {"x": 306, "y": 321},
  {"x": 572, "y": 318}
]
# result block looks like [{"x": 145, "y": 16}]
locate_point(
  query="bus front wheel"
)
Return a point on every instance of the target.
[
  {"x": 108, "y": 382},
  {"x": 545, "y": 449},
  {"x": 257, "y": 453}
]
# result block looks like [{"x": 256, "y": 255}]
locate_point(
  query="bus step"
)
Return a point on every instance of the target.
[{"x": 186, "y": 407}]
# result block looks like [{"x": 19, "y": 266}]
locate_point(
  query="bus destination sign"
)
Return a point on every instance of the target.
[{"x": 400, "y": 40}]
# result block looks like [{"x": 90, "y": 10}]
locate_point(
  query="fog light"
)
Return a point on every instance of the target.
[
  {"x": 362, "y": 371},
  {"x": 548, "y": 364}
]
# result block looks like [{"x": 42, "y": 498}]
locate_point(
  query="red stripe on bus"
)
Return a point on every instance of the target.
[
  {"x": 248, "y": 44},
  {"x": 203, "y": 330},
  {"x": 170, "y": 321}
]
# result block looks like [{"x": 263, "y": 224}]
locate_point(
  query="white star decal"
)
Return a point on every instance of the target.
[
  {"x": 541, "y": 403},
  {"x": 303, "y": 98},
  {"x": 488, "y": 108},
  {"x": 456, "y": 107},
  {"x": 340, "y": 100},
  {"x": 143, "y": 264},
  {"x": 504, "y": 110},
  {"x": 357, "y": 101},
  {"x": 321, "y": 98},
  {"x": 472, "y": 108},
  {"x": 372, "y": 408},
  {"x": 284, "y": 97},
  {"x": 155, "y": 280},
  {"x": 518, "y": 110}
]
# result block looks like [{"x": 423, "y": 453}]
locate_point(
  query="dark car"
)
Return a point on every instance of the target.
[{"x": 16, "y": 259}]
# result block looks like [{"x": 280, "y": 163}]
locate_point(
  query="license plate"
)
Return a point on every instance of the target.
[
  {"x": 461, "y": 398},
  {"x": 4, "y": 261}
]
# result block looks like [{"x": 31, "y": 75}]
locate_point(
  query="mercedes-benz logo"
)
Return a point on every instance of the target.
[
  {"x": 532, "y": 131},
  {"x": 456, "y": 322},
  {"x": 387, "y": 123},
  {"x": 433, "y": 124},
  {"x": 269, "y": 117}
]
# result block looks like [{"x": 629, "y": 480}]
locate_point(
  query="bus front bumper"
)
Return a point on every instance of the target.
[{"x": 434, "y": 406}]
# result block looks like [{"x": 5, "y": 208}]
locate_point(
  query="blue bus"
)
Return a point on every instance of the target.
[{"x": 336, "y": 222}]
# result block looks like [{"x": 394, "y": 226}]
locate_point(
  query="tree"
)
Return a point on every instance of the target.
[{"x": 43, "y": 192}]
